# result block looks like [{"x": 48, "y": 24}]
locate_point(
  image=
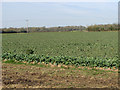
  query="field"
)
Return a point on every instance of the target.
[
  {"x": 88, "y": 49},
  {"x": 41, "y": 76},
  {"x": 99, "y": 44},
  {"x": 79, "y": 48}
]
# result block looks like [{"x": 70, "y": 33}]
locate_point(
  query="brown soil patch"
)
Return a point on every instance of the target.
[{"x": 26, "y": 76}]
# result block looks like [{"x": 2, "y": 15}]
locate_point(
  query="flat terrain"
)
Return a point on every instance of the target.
[
  {"x": 99, "y": 49},
  {"x": 87, "y": 44},
  {"x": 41, "y": 76}
]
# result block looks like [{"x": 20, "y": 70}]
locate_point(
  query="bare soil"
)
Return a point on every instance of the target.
[{"x": 35, "y": 76}]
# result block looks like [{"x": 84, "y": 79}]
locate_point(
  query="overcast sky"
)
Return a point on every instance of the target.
[{"x": 58, "y": 13}]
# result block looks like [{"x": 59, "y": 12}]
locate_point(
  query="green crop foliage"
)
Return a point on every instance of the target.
[
  {"x": 98, "y": 49},
  {"x": 29, "y": 51},
  {"x": 89, "y": 61}
]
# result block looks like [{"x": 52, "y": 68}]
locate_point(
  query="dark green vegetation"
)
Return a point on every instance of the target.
[
  {"x": 97, "y": 49},
  {"x": 107, "y": 27},
  {"x": 77, "y": 61}
]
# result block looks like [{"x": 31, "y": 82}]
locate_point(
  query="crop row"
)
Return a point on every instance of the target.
[{"x": 67, "y": 60}]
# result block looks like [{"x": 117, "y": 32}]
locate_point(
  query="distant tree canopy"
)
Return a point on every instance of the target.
[
  {"x": 43, "y": 29},
  {"x": 101, "y": 27}
]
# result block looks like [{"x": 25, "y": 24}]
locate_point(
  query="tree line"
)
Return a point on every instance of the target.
[
  {"x": 101, "y": 27},
  {"x": 43, "y": 29}
]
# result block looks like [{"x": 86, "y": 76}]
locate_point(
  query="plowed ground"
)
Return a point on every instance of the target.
[{"x": 41, "y": 76}]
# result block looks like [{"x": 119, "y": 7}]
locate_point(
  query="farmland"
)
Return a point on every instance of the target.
[
  {"x": 52, "y": 54},
  {"x": 41, "y": 76},
  {"x": 74, "y": 48}
]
